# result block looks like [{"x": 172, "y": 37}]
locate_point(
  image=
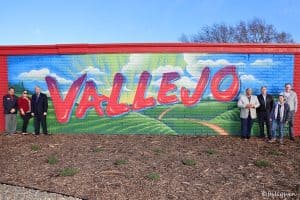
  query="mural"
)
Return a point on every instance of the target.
[{"x": 150, "y": 93}]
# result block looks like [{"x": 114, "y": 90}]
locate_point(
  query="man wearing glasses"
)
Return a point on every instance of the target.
[
  {"x": 24, "y": 104},
  {"x": 292, "y": 100}
]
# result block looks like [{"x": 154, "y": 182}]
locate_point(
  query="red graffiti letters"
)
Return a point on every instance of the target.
[{"x": 111, "y": 106}]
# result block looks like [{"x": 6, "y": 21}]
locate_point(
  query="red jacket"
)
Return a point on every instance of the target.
[{"x": 24, "y": 104}]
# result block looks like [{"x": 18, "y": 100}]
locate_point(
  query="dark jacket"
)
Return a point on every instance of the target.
[
  {"x": 40, "y": 105},
  {"x": 285, "y": 113},
  {"x": 10, "y": 102},
  {"x": 265, "y": 107}
]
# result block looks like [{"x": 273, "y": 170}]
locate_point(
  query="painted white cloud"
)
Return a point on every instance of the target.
[
  {"x": 248, "y": 77},
  {"x": 125, "y": 89},
  {"x": 165, "y": 69},
  {"x": 135, "y": 63},
  {"x": 183, "y": 81},
  {"x": 96, "y": 81},
  {"x": 92, "y": 70},
  {"x": 263, "y": 62},
  {"x": 39, "y": 75},
  {"x": 195, "y": 65}
]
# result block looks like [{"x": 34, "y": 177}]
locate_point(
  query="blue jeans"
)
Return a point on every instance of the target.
[{"x": 277, "y": 124}]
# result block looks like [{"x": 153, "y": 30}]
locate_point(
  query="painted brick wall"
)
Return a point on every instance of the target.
[{"x": 130, "y": 88}]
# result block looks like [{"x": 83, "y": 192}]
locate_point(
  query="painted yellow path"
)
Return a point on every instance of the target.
[{"x": 214, "y": 127}]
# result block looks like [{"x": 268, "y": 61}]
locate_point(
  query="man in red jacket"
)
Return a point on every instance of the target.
[{"x": 24, "y": 105}]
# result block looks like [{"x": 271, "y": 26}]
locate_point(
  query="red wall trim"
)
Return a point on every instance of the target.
[
  {"x": 3, "y": 87},
  {"x": 149, "y": 48},
  {"x": 297, "y": 89}
]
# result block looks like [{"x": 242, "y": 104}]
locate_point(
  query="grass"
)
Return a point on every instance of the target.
[
  {"x": 211, "y": 151},
  {"x": 68, "y": 171},
  {"x": 159, "y": 151},
  {"x": 153, "y": 176},
  {"x": 120, "y": 162},
  {"x": 262, "y": 163},
  {"x": 97, "y": 149},
  {"x": 52, "y": 160},
  {"x": 275, "y": 153},
  {"x": 189, "y": 162},
  {"x": 187, "y": 127},
  {"x": 208, "y": 110},
  {"x": 35, "y": 147}
]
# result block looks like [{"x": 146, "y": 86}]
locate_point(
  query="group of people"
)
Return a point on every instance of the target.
[
  {"x": 275, "y": 115},
  {"x": 272, "y": 114},
  {"x": 35, "y": 107}
]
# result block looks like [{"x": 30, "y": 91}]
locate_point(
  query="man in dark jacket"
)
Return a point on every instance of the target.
[
  {"x": 263, "y": 112},
  {"x": 10, "y": 110},
  {"x": 39, "y": 108}
]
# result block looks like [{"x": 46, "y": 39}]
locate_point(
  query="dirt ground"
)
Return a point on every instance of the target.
[{"x": 152, "y": 167}]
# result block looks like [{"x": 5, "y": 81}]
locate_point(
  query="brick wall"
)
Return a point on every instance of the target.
[{"x": 126, "y": 80}]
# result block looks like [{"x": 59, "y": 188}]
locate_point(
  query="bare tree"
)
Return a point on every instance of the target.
[{"x": 253, "y": 31}]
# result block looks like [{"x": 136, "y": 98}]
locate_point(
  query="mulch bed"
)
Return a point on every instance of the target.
[{"x": 152, "y": 167}]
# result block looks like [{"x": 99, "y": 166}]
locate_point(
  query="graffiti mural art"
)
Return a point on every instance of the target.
[{"x": 148, "y": 93}]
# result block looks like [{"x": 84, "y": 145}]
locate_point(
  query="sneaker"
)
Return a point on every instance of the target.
[
  {"x": 24, "y": 133},
  {"x": 272, "y": 140},
  {"x": 292, "y": 138},
  {"x": 281, "y": 141}
]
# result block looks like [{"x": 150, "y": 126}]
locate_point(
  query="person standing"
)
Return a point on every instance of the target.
[
  {"x": 279, "y": 117},
  {"x": 248, "y": 104},
  {"x": 292, "y": 100},
  {"x": 39, "y": 108},
  {"x": 263, "y": 112},
  {"x": 10, "y": 105},
  {"x": 24, "y": 105}
]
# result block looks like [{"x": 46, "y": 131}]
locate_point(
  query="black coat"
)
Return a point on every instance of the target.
[
  {"x": 10, "y": 103},
  {"x": 38, "y": 107},
  {"x": 265, "y": 107},
  {"x": 285, "y": 113}
]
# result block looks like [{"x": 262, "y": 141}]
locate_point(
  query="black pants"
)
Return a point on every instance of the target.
[
  {"x": 25, "y": 119},
  {"x": 40, "y": 120},
  {"x": 246, "y": 126},
  {"x": 264, "y": 118}
]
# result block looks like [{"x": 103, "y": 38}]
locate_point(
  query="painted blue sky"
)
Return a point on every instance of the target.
[
  {"x": 100, "y": 21},
  {"x": 254, "y": 70}
]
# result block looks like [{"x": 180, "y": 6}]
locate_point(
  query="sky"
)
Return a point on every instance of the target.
[{"x": 126, "y": 21}]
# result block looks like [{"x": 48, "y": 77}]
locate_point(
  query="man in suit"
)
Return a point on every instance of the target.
[
  {"x": 263, "y": 112},
  {"x": 10, "y": 105},
  {"x": 292, "y": 100},
  {"x": 39, "y": 107},
  {"x": 248, "y": 104}
]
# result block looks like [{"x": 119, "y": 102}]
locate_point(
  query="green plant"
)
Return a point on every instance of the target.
[
  {"x": 154, "y": 176},
  {"x": 35, "y": 147},
  {"x": 189, "y": 162},
  {"x": 210, "y": 151},
  {"x": 120, "y": 162},
  {"x": 52, "y": 160},
  {"x": 158, "y": 151},
  {"x": 97, "y": 149},
  {"x": 68, "y": 171},
  {"x": 275, "y": 153},
  {"x": 262, "y": 163}
]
